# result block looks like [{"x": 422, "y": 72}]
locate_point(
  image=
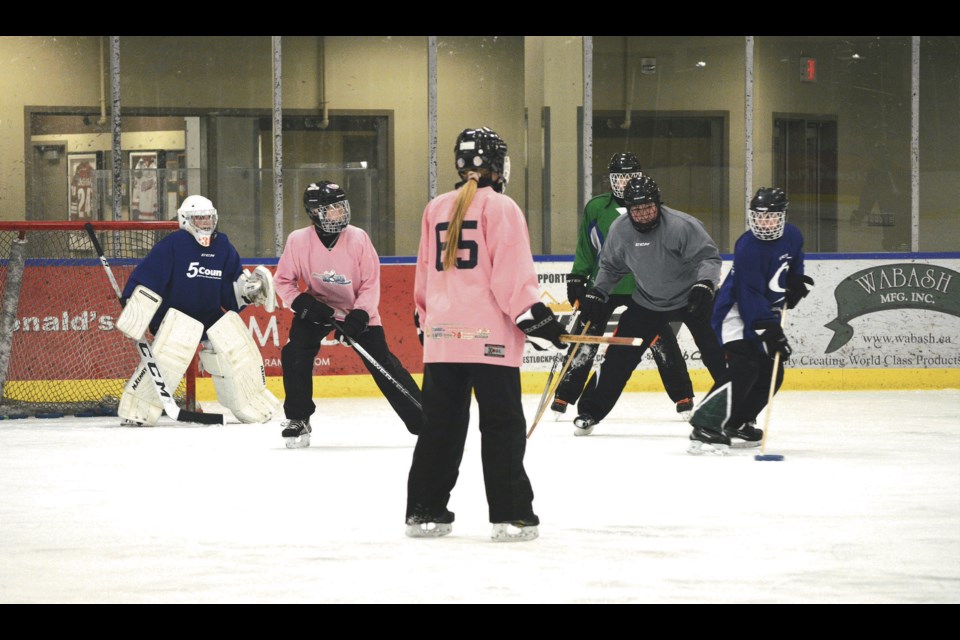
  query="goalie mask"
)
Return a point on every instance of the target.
[
  {"x": 198, "y": 217},
  {"x": 768, "y": 213},
  {"x": 642, "y": 199},
  {"x": 623, "y": 167},
  {"x": 479, "y": 149},
  {"x": 327, "y": 205}
]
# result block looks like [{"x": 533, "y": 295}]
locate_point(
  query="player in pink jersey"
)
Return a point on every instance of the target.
[
  {"x": 476, "y": 297},
  {"x": 330, "y": 273}
]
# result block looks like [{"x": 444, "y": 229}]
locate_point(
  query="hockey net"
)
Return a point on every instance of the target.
[{"x": 60, "y": 352}]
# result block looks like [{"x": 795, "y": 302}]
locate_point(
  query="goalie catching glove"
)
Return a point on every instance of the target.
[
  {"x": 256, "y": 288},
  {"x": 541, "y": 326}
]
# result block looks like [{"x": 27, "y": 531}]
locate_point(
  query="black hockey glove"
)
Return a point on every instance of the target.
[
  {"x": 797, "y": 289},
  {"x": 353, "y": 325},
  {"x": 539, "y": 323},
  {"x": 416, "y": 323},
  {"x": 774, "y": 341},
  {"x": 593, "y": 307},
  {"x": 701, "y": 297},
  {"x": 308, "y": 308},
  {"x": 576, "y": 288}
]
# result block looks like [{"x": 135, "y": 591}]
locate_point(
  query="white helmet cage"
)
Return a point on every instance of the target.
[
  {"x": 198, "y": 217},
  {"x": 622, "y": 168},
  {"x": 767, "y": 215}
]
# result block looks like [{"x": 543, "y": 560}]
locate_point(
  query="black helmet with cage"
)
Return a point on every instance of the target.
[
  {"x": 622, "y": 168},
  {"x": 327, "y": 205},
  {"x": 642, "y": 199},
  {"x": 768, "y": 213}
]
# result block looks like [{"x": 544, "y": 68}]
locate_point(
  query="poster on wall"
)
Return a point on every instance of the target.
[
  {"x": 82, "y": 195},
  {"x": 144, "y": 190}
]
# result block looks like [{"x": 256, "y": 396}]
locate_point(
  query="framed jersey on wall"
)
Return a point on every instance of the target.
[{"x": 144, "y": 190}]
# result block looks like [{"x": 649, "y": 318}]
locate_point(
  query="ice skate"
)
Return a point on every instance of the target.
[
  {"x": 748, "y": 435},
  {"x": 705, "y": 442},
  {"x": 685, "y": 408},
  {"x": 429, "y": 526},
  {"x": 559, "y": 407},
  {"x": 428, "y": 529},
  {"x": 514, "y": 532},
  {"x": 296, "y": 433},
  {"x": 583, "y": 424}
]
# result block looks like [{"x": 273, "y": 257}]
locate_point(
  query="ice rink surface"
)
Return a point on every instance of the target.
[{"x": 864, "y": 508}]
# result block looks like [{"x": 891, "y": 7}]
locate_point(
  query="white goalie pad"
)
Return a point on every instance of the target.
[
  {"x": 174, "y": 347},
  {"x": 137, "y": 313},
  {"x": 236, "y": 366},
  {"x": 256, "y": 288}
]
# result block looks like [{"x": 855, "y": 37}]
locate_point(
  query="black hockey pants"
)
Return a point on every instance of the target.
[
  {"x": 602, "y": 393},
  {"x": 447, "y": 390},
  {"x": 297, "y": 358},
  {"x": 666, "y": 353}
]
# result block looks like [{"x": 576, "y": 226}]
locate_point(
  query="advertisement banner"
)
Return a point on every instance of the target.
[{"x": 865, "y": 314}]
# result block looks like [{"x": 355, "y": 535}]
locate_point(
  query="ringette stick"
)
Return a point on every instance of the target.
[
  {"x": 557, "y": 359},
  {"x": 623, "y": 341},
  {"x": 573, "y": 353},
  {"x": 772, "y": 457}
]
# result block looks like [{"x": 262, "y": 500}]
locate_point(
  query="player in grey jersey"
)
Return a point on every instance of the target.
[{"x": 677, "y": 268}]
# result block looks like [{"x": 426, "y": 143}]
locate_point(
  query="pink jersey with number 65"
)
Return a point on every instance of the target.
[{"x": 468, "y": 314}]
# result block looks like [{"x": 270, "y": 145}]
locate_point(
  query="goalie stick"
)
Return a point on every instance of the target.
[{"x": 148, "y": 359}]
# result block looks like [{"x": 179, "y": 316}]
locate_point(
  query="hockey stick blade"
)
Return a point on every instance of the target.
[
  {"x": 146, "y": 356},
  {"x": 628, "y": 342}
]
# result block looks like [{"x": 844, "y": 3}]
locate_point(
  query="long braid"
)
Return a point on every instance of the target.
[{"x": 464, "y": 198}]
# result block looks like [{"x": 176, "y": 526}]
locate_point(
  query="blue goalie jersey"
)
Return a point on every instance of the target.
[{"x": 191, "y": 278}]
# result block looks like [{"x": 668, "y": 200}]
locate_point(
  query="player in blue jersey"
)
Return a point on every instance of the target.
[
  {"x": 189, "y": 290},
  {"x": 767, "y": 274}
]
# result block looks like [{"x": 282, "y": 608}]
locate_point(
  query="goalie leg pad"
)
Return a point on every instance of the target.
[
  {"x": 174, "y": 346},
  {"x": 236, "y": 367},
  {"x": 138, "y": 312}
]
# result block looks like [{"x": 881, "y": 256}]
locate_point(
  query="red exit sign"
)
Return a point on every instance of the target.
[{"x": 808, "y": 69}]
